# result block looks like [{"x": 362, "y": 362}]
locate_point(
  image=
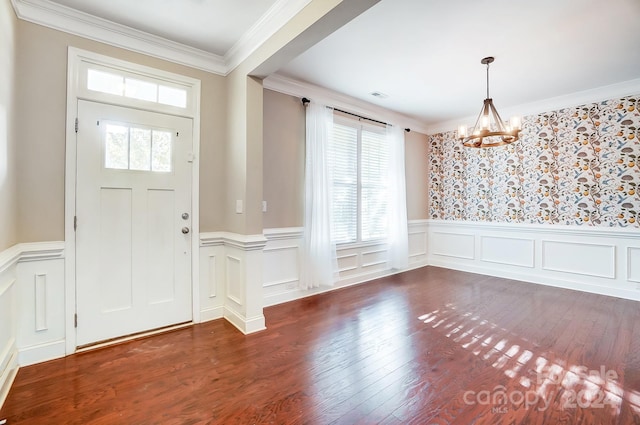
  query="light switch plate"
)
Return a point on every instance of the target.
[
  {"x": 239, "y": 206},
  {"x": 264, "y": 206}
]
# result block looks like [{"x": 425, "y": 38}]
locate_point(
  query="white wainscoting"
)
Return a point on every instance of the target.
[
  {"x": 231, "y": 279},
  {"x": 31, "y": 307},
  {"x": 599, "y": 260},
  {"x": 356, "y": 264},
  {"x": 8, "y": 324},
  {"x": 40, "y": 291}
]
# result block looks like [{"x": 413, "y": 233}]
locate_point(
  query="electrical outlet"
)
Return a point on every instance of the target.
[
  {"x": 264, "y": 206},
  {"x": 239, "y": 206}
]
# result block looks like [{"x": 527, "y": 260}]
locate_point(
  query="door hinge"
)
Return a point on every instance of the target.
[
  {"x": 75, "y": 223},
  {"x": 75, "y": 320},
  {"x": 76, "y": 125}
]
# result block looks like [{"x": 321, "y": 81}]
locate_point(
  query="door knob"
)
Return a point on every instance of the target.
[
  {"x": 185, "y": 216},
  {"x": 185, "y": 230}
]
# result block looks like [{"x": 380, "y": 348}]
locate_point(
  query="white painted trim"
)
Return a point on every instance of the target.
[
  {"x": 283, "y": 233},
  {"x": 279, "y": 239},
  {"x": 72, "y": 21},
  {"x": 41, "y": 353},
  {"x": 286, "y": 85},
  {"x": 9, "y": 257},
  {"x": 243, "y": 242},
  {"x": 553, "y": 229},
  {"x": 213, "y": 313},
  {"x": 613, "y": 281},
  {"x": 31, "y": 251},
  {"x": 584, "y": 97},
  {"x": 66, "y": 19},
  {"x": 74, "y": 61},
  {"x": 8, "y": 374},
  {"x": 244, "y": 324},
  {"x": 281, "y": 12}
]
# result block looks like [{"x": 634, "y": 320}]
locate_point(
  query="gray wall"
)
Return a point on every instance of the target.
[{"x": 284, "y": 134}]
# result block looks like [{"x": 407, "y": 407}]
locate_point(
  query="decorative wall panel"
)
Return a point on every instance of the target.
[{"x": 574, "y": 166}]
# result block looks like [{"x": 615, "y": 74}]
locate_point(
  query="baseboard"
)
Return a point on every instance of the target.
[
  {"x": 244, "y": 325},
  {"x": 9, "y": 363},
  {"x": 213, "y": 313},
  {"x": 41, "y": 353},
  {"x": 297, "y": 294},
  {"x": 541, "y": 280}
]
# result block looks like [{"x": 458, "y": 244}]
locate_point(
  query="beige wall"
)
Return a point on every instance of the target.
[
  {"x": 41, "y": 69},
  {"x": 284, "y": 133},
  {"x": 416, "y": 147},
  {"x": 8, "y": 168}
]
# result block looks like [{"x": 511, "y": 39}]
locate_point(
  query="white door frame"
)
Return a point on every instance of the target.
[{"x": 76, "y": 89}]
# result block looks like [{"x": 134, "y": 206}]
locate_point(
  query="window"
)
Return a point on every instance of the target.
[
  {"x": 134, "y": 88},
  {"x": 134, "y": 148},
  {"x": 359, "y": 161}
]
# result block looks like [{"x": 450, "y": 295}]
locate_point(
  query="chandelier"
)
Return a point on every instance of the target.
[{"x": 489, "y": 130}]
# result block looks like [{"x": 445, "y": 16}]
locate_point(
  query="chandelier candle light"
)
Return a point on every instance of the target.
[{"x": 489, "y": 130}]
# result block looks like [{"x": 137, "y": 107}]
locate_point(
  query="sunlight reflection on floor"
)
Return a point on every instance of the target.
[{"x": 580, "y": 386}]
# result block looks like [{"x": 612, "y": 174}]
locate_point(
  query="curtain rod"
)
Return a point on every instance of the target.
[{"x": 305, "y": 101}]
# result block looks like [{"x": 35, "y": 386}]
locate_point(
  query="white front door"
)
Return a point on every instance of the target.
[{"x": 133, "y": 209}]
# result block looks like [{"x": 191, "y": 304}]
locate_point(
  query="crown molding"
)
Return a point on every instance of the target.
[
  {"x": 598, "y": 94},
  {"x": 66, "y": 19},
  {"x": 69, "y": 20},
  {"x": 281, "y": 12},
  {"x": 297, "y": 88}
]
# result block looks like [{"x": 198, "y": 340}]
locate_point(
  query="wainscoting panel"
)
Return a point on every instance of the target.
[
  {"x": 356, "y": 264},
  {"x": 8, "y": 326},
  {"x": 418, "y": 246},
  {"x": 281, "y": 265},
  {"x": 599, "y": 260},
  {"x": 579, "y": 258},
  {"x": 633, "y": 264},
  {"x": 456, "y": 245},
  {"x": 234, "y": 279},
  {"x": 511, "y": 251},
  {"x": 212, "y": 282},
  {"x": 41, "y": 318},
  {"x": 231, "y": 279},
  {"x": 31, "y": 307}
]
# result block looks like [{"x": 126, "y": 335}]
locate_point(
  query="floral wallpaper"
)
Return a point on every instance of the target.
[{"x": 575, "y": 166}]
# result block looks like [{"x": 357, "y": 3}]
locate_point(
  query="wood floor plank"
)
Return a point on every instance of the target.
[{"x": 429, "y": 346}]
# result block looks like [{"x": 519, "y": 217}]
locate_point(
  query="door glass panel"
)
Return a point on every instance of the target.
[
  {"x": 138, "y": 149},
  {"x": 116, "y": 153},
  {"x": 161, "y": 157},
  {"x": 140, "y": 152}
]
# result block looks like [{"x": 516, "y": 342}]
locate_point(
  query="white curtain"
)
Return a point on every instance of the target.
[
  {"x": 398, "y": 242},
  {"x": 319, "y": 263}
]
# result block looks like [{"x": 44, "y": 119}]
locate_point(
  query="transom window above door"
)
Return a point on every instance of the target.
[
  {"x": 135, "y": 88},
  {"x": 131, "y": 147}
]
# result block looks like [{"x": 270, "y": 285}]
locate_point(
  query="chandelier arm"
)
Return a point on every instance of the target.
[{"x": 497, "y": 118}]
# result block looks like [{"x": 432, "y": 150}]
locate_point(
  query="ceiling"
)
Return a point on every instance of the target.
[{"x": 424, "y": 54}]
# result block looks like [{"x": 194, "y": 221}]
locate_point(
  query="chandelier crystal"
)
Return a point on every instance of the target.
[{"x": 489, "y": 130}]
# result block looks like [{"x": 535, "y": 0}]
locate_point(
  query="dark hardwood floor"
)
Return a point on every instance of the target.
[{"x": 426, "y": 346}]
